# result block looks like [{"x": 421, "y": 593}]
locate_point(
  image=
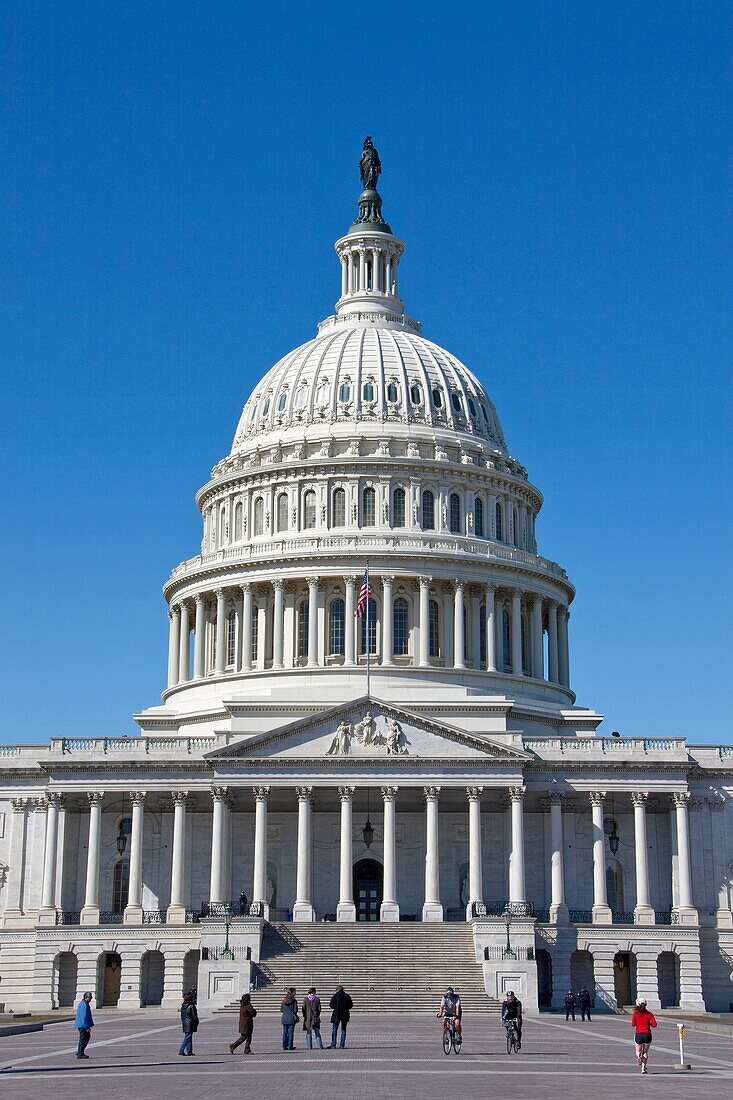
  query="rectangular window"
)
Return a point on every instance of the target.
[{"x": 400, "y": 631}]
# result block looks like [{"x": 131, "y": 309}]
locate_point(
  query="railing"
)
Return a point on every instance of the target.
[
  {"x": 153, "y": 916},
  {"x": 9, "y": 750},
  {"x": 192, "y": 916},
  {"x": 580, "y": 916},
  {"x": 142, "y": 746},
  {"x": 108, "y": 917},
  {"x": 280, "y": 914},
  {"x": 605, "y": 745},
  {"x": 622, "y": 918},
  {"x": 217, "y": 954},
  {"x": 66, "y": 916},
  {"x": 663, "y": 916},
  {"x": 455, "y": 914},
  {"x": 524, "y": 954},
  {"x": 542, "y": 915}
]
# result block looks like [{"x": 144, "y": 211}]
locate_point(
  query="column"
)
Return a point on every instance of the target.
[
  {"x": 476, "y": 627},
  {"x": 312, "y": 622},
  {"x": 16, "y": 877},
  {"x": 247, "y": 627},
  {"x": 177, "y": 909},
  {"x": 346, "y": 910},
  {"x": 516, "y": 632},
  {"x": 60, "y": 849},
  {"x": 375, "y": 269},
  {"x": 387, "y": 621},
  {"x": 47, "y": 914},
  {"x": 432, "y": 910},
  {"x": 199, "y": 638},
  {"x": 643, "y": 912},
  {"x": 221, "y": 632},
  {"x": 552, "y": 642},
  {"x": 185, "y": 640},
  {"x": 216, "y": 893},
  {"x": 601, "y": 910},
  {"x": 259, "y": 884},
  {"x": 387, "y": 272},
  {"x": 538, "y": 664},
  {"x": 424, "y": 622},
  {"x": 563, "y": 669},
  {"x": 362, "y": 269},
  {"x": 686, "y": 912},
  {"x": 262, "y": 634},
  {"x": 389, "y": 910},
  {"x": 517, "y": 888},
  {"x": 723, "y": 912},
  {"x": 490, "y": 627},
  {"x": 90, "y": 912},
  {"x": 303, "y": 908},
  {"x": 277, "y": 624},
  {"x": 134, "y": 910},
  {"x": 349, "y": 621},
  {"x": 344, "y": 276},
  {"x": 174, "y": 645},
  {"x": 558, "y": 908},
  {"x": 459, "y": 645},
  {"x": 475, "y": 862}
]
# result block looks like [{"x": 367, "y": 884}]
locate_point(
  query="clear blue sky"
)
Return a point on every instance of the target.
[{"x": 174, "y": 176}]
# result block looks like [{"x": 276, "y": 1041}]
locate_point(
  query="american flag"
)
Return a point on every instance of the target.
[{"x": 364, "y": 593}]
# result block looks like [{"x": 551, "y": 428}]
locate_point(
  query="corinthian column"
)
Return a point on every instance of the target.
[
  {"x": 174, "y": 645},
  {"x": 312, "y": 621},
  {"x": 389, "y": 910},
  {"x": 346, "y": 910},
  {"x": 277, "y": 628},
  {"x": 552, "y": 651},
  {"x": 259, "y": 886},
  {"x": 17, "y": 876},
  {"x": 686, "y": 911},
  {"x": 517, "y": 633},
  {"x": 47, "y": 914},
  {"x": 134, "y": 910},
  {"x": 432, "y": 910},
  {"x": 387, "y": 621},
  {"x": 199, "y": 638},
  {"x": 177, "y": 909},
  {"x": 221, "y": 631},
  {"x": 246, "y": 660},
  {"x": 424, "y": 622},
  {"x": 90, "y": 912},
  {"x": 184, "y": 656},
  {"x": 490, "y": 627},
  {"x": 303, "y": 907},
  {"x": 349, "y": 627},
  {"x": 517, "y": 886},
  {"x": 219, "y": 795},
  {"x": 459, "y": 647},
  {"x": 558, "y": 908},
  {"x": 475, "y": 862},
  {"x": 601, "y": 910}
]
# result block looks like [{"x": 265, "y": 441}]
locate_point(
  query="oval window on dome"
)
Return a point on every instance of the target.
[
  {"x": 368, "y": 391},
  {"x": 438, "y": 399},
  {"x": 281, "y": 402},
  {"x": 345, "y": 392},
  {"x": 266, "y": 407},
  {"x": 322, "y": 394},
  {"x": 301, "y": 398},
  {"x": 456, "y": 403},
  {"x": 392, "y": 393},
  {"x": 471, "y": 406},
  {"x": 416, "y": 395}
]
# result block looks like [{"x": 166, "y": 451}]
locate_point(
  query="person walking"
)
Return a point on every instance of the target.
[
  {"x": 189, "y": 1023},
  {"x": 247, "y": 1013},
  {"x": 642, "y": 1021},
  {"x": 341, "y": 1004},
  {"x": 311, "y": 1010},
  {"x": 584, "y": 1003},
  {"x": 570, "y": 1005},
  {"x": 289, "y": 1018},
  {"x": 84, "y": 1023}
]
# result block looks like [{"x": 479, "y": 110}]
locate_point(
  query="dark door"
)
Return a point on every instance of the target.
[
  {"x": 112, "y": 975},
  {"x": 622, "y": 978},
  {"x": 367, "y": 889}
]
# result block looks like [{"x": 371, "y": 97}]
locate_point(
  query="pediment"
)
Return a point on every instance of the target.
[{"x": 367, "y": 729}]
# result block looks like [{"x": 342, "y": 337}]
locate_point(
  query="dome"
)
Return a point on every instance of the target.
[{"x": 356, "y": 371}]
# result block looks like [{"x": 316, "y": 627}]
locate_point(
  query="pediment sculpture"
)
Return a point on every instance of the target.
[{"x": 349, "y": 737}]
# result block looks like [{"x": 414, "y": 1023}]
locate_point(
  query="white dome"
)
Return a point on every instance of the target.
[{"x": 369, "y": 371}]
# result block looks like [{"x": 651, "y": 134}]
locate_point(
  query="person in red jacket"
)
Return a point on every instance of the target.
[{"x": 642, "y": 1021}]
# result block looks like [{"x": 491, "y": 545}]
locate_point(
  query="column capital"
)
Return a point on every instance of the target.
[
  {"x": 490, "y": 588},
  {"x": 138, "y": 797},
  {"x": 20, "y": 805},
  {"x": 179, "y": 797},
  {"x": 555, "y": 798},
  {"x": 596, "y": 797},
  {"x": 430, "y": 794},
  {"x": 389, "y": 793},
  {"x": 199, "y": 598},
  {"x": 425, "y": 582},
  {"x": 246, "y": 588},
  {"x": 639, "y": 798},
  {"x": 52, "y": 798},
  {"x": 219, "y": 794},
  {"x": 172, "y": 611},
  {"x": 261, "y": 793},
  {"x": 474, "y": 793},
  {"x": 716, "y": 803},
  {"x": 278, "y": 584},
  {"x": 313, "y": 581},
  {"x": 346, "y": 793},
  {"x": 460, "y": 584},
  {"x": 305, "y": 794},
  {"x": 220, "y": 593},
  {"x": 95, "y": 797},
  {"x": 681, "y": 798},
  {"x": 516, "y": 794},
  {"x": 351, "y": 579},
  {"x": 387, "y": 580}
]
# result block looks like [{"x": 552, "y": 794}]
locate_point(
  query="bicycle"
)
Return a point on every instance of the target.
[
  {"x": 451, "y": 1038},
  {"x": 513, "y": 1042}
]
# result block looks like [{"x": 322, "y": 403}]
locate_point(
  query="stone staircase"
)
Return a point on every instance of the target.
[{"x": 384, "y": 967}]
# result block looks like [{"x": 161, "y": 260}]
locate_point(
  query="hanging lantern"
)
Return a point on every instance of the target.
[{"x": 367, "y": 832}]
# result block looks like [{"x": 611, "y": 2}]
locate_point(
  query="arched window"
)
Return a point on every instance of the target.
[
  {"x": 428, "y": 510},
  {"x": 400, "y": 634},
  {"x": 526, "y": 669},
  {"x": 282, "y": 402},
  {"x": 478, "y": 518},
  {"x": 231, "y": 636},
  {"x": 367, "y": 391},
  {"x": 482, "y": 634},
  {"x": 416, "y": 395},
  {"x": 309, "y": 509},
  {"x": 266, "y": 407},
  {"x": 120, "y": 885},
  {"x": 615, "y": 886},
  {"x": 238, "y": 521},
  {"x": 471, "y": 407},
  {"x": 456, "y": 403},
  {"x": 437, "y": 399},
  {"x": 339, "y": 508},
  {"x": 372, "y": 628},
  {"x": 345, "y": 392},
  {"x": 369, "y": 507},
  {"x": 499, "y": 522},
  {"x": 303, "y": 629},
  {"x": 455, "y": 514},
  {"x": 254, "y": 634},
  {"x": 282, "y": 512},
  {"x": 434, "y": 629},
  {"x": 514, "y": 533},
  {"x": 259, "y": 524},
  {"x": 398, "y": 508},
  {"x": 506, "y": 640},
  {"x": 336, "y": 623},
  {"x": 301, "y": 397},
  {"x": 392, "y": 393}
]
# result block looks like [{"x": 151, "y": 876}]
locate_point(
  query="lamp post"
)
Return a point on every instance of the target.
[
  {"x": 507, "y": 914},
  {"x": 227, "y": 952}
]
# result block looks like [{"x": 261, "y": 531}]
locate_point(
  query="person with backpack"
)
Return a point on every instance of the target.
[
  {"x": 289, "y": 1018},
  {"x": 341, "y": 1005},
  {"x": 247, "y": 1013},
  {"x": 642, "y": 1021},
  {"x": 311, "y": 1010},
  {"x": 189, "y": 1023}
]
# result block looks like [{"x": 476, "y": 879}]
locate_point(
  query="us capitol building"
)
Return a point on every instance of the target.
[{"x": 455, "y": 783}]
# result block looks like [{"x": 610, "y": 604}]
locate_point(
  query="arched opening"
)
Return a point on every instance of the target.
[
  {"x": 368, "y": 880},
  {"x": 339, "y": 508},
  {"x": 372, "y": 621},
  {"x": 668, "y": 979},
  {"x": 120, "y": 884},
  {"x": 309, "y": 510},
  {"x": 544, "y": 978},
  {"x": 434, "y": 629},
  {"x": 400, "y": 628},
  {"x": 478, "y": 518},
  {"x": 624, "y": 978},
  {"x": 191, "y": 970},
  {"x": 259, "y": 517},
  {"x": 109, "y": 974},
  {"x": 398, "y": 508},
  {"x": 369, "y": 507},
  {"x": 615, "y": 885},
  {"x": 581, "y": 973},
  {"x": 499, "y": 522},
  {"x": 231, "y": 637},
  {"x": 428, "y": 511},
  {"x": 282, "y": 512},
  {"x": 455, "y": 514},
  {"x": 66, "y": 969},
  {"x": 152, "y": 978},
  {"x": 336, "y": 627},
  {"x": 303, "y": 630}
]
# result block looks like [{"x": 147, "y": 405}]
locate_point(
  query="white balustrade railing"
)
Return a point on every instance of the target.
[{"x": 607, "y": 745}]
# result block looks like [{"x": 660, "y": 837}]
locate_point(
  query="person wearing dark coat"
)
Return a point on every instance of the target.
[
  {"x": 341, "y": 1004},
  {"x": 189, "y": 1023},
  {"x": 247, "y": 1013},
  {"x": 569, "y": 1004},
  {"x": 289, "y": 1018},
  {"x": 311, "y": 1011},
  {"x": 584, "y": 1002}
]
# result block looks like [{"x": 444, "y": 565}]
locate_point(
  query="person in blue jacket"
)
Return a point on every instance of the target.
[{"x": 84, "y": 1023}]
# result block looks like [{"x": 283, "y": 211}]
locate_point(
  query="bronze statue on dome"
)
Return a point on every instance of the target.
[{"x": 370, "y": 166}]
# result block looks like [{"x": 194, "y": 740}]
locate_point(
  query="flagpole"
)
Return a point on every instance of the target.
[{"x": 368, "y": 639}]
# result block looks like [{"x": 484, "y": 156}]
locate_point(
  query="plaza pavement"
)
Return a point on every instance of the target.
[{"x": 387, "y": 1058}]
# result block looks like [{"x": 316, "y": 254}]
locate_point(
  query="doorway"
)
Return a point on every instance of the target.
[
  {"x": 368, "y": 889},
  {"x": 624, "y": 978},
  {"x": 111, "y": 979},
  {"x": 544, "y": 978}
]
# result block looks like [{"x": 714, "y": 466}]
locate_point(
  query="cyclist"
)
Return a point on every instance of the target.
[
  {"x": 450, "y": 1008},
  {"x": 511, "y": 1009}
]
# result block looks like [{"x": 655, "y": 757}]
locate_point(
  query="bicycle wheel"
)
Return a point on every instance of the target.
[
  {"x": 508, "y": 1042},
  {"x": 447, "y": 1041},
  {"x": 457, "y": 1043}
]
